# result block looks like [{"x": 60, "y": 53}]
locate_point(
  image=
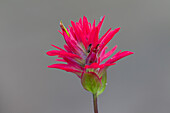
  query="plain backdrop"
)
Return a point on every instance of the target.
[{"x": 137, "y": 84}]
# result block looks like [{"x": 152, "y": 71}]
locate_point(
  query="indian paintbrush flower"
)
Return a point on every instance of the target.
[{"x": 84, "y": 53}]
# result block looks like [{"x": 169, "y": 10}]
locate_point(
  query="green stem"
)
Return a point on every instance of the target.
[{"x": 95, "y": 103}]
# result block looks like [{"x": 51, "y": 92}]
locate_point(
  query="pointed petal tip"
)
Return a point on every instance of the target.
[
  {"x": 102, "y": 18},
  {"x": 84, "y": 16},
  {"x": 130, "y": 52},
  {"x": 48, "y": 53},
  {"x": 50, "y": 66},
  {"x": 52, "y": 52},
  {"x": 117, "y": 29},
  {"x": 57, "y": 47},
  {"x": 52, "y": 45}
]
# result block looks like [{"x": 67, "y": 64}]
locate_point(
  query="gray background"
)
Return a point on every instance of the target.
[{"x": 137, "y": 84}]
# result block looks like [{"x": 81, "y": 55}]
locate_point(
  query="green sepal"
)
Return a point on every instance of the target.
[
  {"x": 102, "y": 74},
  {"x": 91, "y": 82}
]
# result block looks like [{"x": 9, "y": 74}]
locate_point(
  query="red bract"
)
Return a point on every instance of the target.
[{"x": 84, "y": 51}]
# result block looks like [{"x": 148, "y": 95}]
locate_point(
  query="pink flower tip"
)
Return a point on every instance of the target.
[
  {"x": 49, "y": 53},
  {"x": 129, "y": 52},
  {"x": 50, "y": 66},
  {"x": 117, "y": 29},
  {"x": 52, "y": 53}
]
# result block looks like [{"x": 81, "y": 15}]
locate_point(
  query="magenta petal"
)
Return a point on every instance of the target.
[
  {"x": 94, "y": 23},
  {"x": 99, "y": 41},
  {"x": 80, "y": 21},
  {"x": 61, "y": 60},
  {"x": 96, "y": 65},
  {"x": 109, "y": 37},
  {"x": 93, "y": 65},
  {"x": 65, "y": 67},
  {"x": 104, "y": 35},
  {"x": 60, "y": 32},
  {"x": 57, "y": 47},
  {"x": 101, "y": 22},
  {"x": 104, "y": 65},
  {"x": 67, "y": 48},
  {"x": 69, "y": 55},
  {"x": 79, "y": 34},
  {"x": 102, "y": 54},
  {"x": 62, "y": 53},
  {"x": 90, "y": 26},
  {"x": 85, "y": 25},
  {"x": 93, "y": 36},
  {"x": 52, "y": 52},
  {"x": 120, "y": 56},
  {"x": 109, "y": 53},
  {"x": 114, "y": 56},
  {"x": 103, "y": 51},
  {"x": 73, "y": 63}
]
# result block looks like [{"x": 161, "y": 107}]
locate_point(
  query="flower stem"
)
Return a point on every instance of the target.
[{"x": 95, "y": 103}]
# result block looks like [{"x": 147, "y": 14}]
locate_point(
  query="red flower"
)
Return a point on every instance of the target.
[{"x": 84, "y": 50}]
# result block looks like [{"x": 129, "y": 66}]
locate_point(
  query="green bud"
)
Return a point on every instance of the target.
[
  {"x": 91, "y": 82},
  {"x": 102, "y": 74}
]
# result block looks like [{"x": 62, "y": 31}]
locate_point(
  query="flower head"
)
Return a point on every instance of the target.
[{"x": 84, "y": 53}]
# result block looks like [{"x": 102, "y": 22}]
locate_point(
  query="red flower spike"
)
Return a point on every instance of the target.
[{"x": 84, "y": 53}]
